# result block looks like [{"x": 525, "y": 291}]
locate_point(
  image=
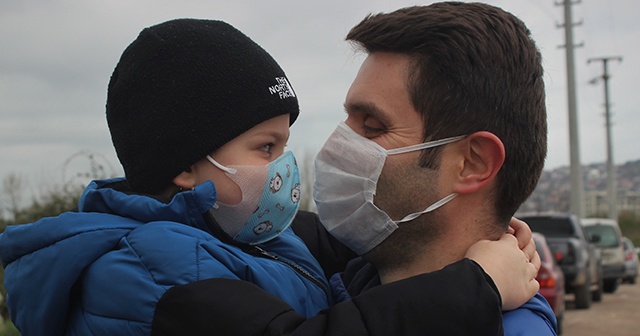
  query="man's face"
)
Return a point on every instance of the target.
[{"x": 378, "y": 107}]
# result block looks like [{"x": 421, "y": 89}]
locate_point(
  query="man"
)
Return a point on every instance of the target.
[
  {"x": 446, "y": 126},
  {"x": 451, "y": 101}
]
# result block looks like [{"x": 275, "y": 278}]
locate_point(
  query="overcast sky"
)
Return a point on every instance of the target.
[{"x": 56, "y": 58}]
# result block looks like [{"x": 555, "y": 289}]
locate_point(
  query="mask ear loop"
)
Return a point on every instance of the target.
[
  {"x": 421, "y": 146},
  {"x": 425, "y": 145},
  {"x": 430, "y": 208},
  {"x": 223, "y": 168}
]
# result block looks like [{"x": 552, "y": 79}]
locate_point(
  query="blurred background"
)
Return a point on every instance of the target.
[{"x": 57, "y": 57}]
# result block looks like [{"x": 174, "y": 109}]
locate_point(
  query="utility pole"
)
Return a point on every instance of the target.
[
  {"x": 574, "y": 140},
  {"x": 612, "y": 191}
]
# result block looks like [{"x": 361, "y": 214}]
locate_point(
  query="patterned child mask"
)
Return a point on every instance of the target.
[{"x": 270, "y": 200}]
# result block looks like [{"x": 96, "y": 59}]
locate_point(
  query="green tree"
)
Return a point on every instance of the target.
[
  {"x": 52, "y": 203},
  {"x": 630, "y": 226}
]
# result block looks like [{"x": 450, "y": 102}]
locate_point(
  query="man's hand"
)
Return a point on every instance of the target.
[{"x": 512, "y": 262}]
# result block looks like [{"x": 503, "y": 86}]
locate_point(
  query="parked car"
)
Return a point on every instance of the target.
[
  {"x": 580, "y": 261},
  {"x": 551, "y": 278},
  {"x": 630, "y": 261},
  {"x": 609, "y": 242}
]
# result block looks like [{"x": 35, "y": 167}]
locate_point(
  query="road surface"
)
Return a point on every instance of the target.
[{"x": 618, "y": 314}]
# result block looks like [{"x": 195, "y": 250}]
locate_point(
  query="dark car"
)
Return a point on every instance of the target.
[
  {"x": 630, "y": 261},
  {"x": 551, "y": 278},
  {"x": 580, "y": 261}
]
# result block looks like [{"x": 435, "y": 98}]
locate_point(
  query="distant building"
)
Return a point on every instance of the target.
[
  {"x": 596, "y": 202},
  {"x": 553, "y": 190}
]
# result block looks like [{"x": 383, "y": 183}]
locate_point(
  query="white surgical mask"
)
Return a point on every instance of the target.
[
  {"x": 270, "y": 199},
  {"x": 347, "y": 170}
]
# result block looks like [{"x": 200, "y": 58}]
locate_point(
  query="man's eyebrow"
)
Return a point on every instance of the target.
[{"x": 369, "y": 109}]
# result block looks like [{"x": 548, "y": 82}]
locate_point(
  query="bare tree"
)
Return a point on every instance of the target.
[{"x": 12, "y": 187}]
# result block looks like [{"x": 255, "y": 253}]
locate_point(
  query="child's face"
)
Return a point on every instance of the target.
[{"x": 258, "y": 146}]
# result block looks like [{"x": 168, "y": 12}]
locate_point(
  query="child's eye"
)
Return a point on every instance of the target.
[{"x": 266, "y": 148}]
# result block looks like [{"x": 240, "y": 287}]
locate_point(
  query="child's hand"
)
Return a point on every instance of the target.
[
  {"x": 513, "y": 268},
  {"x": 525, "y": 240},
  {"x": 522, "y": 232}
]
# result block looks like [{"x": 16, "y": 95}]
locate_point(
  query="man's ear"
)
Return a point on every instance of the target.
[{"x": 482, "y": 157}]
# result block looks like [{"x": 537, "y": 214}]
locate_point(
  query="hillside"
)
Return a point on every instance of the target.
[{"x": 552, "y": 192}]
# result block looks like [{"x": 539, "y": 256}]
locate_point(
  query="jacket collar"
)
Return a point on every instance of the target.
[{"x": 113, "y": 196}]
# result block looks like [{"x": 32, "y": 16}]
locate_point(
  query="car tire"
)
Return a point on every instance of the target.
[
  {"x": 597, "y": 294},
  {"x": 583, "y": 296},
  {"x": 610, "y": 285},
  {"x": 632, "y": 280},
  {"x": 559, "y": 320}
]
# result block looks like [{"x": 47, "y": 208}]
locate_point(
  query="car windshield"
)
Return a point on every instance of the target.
[
  {"x": 550, "y": 227},
  {"x": 608, "y": 235}
]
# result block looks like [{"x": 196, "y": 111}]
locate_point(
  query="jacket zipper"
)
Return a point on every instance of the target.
[
  {"x": 261, "y": 252},
  {"x": 258, "y": 251}
]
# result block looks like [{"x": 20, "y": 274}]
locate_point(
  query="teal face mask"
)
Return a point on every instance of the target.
[{"x": 270, "y": 200}]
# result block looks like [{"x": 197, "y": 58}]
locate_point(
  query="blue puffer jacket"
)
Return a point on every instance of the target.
[{"x": 101, "y": 270}]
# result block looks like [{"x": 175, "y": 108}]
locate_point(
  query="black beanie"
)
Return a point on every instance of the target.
[{"x": 183, "y": 89}]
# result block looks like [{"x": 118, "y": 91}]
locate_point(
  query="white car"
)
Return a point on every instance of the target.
[{"x": 605, "y": 235}]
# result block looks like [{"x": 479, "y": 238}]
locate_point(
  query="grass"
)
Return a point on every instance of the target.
[{"x": 8, "y": 329}]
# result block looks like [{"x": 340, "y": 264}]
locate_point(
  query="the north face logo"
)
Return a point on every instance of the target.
[{"x": 283, "y": 89}]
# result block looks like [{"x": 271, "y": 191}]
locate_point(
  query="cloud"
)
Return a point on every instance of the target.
[{"x": 57, "y": 57}]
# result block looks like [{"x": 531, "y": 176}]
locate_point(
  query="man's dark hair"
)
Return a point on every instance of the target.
[{"x": 474, "y": 68}]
